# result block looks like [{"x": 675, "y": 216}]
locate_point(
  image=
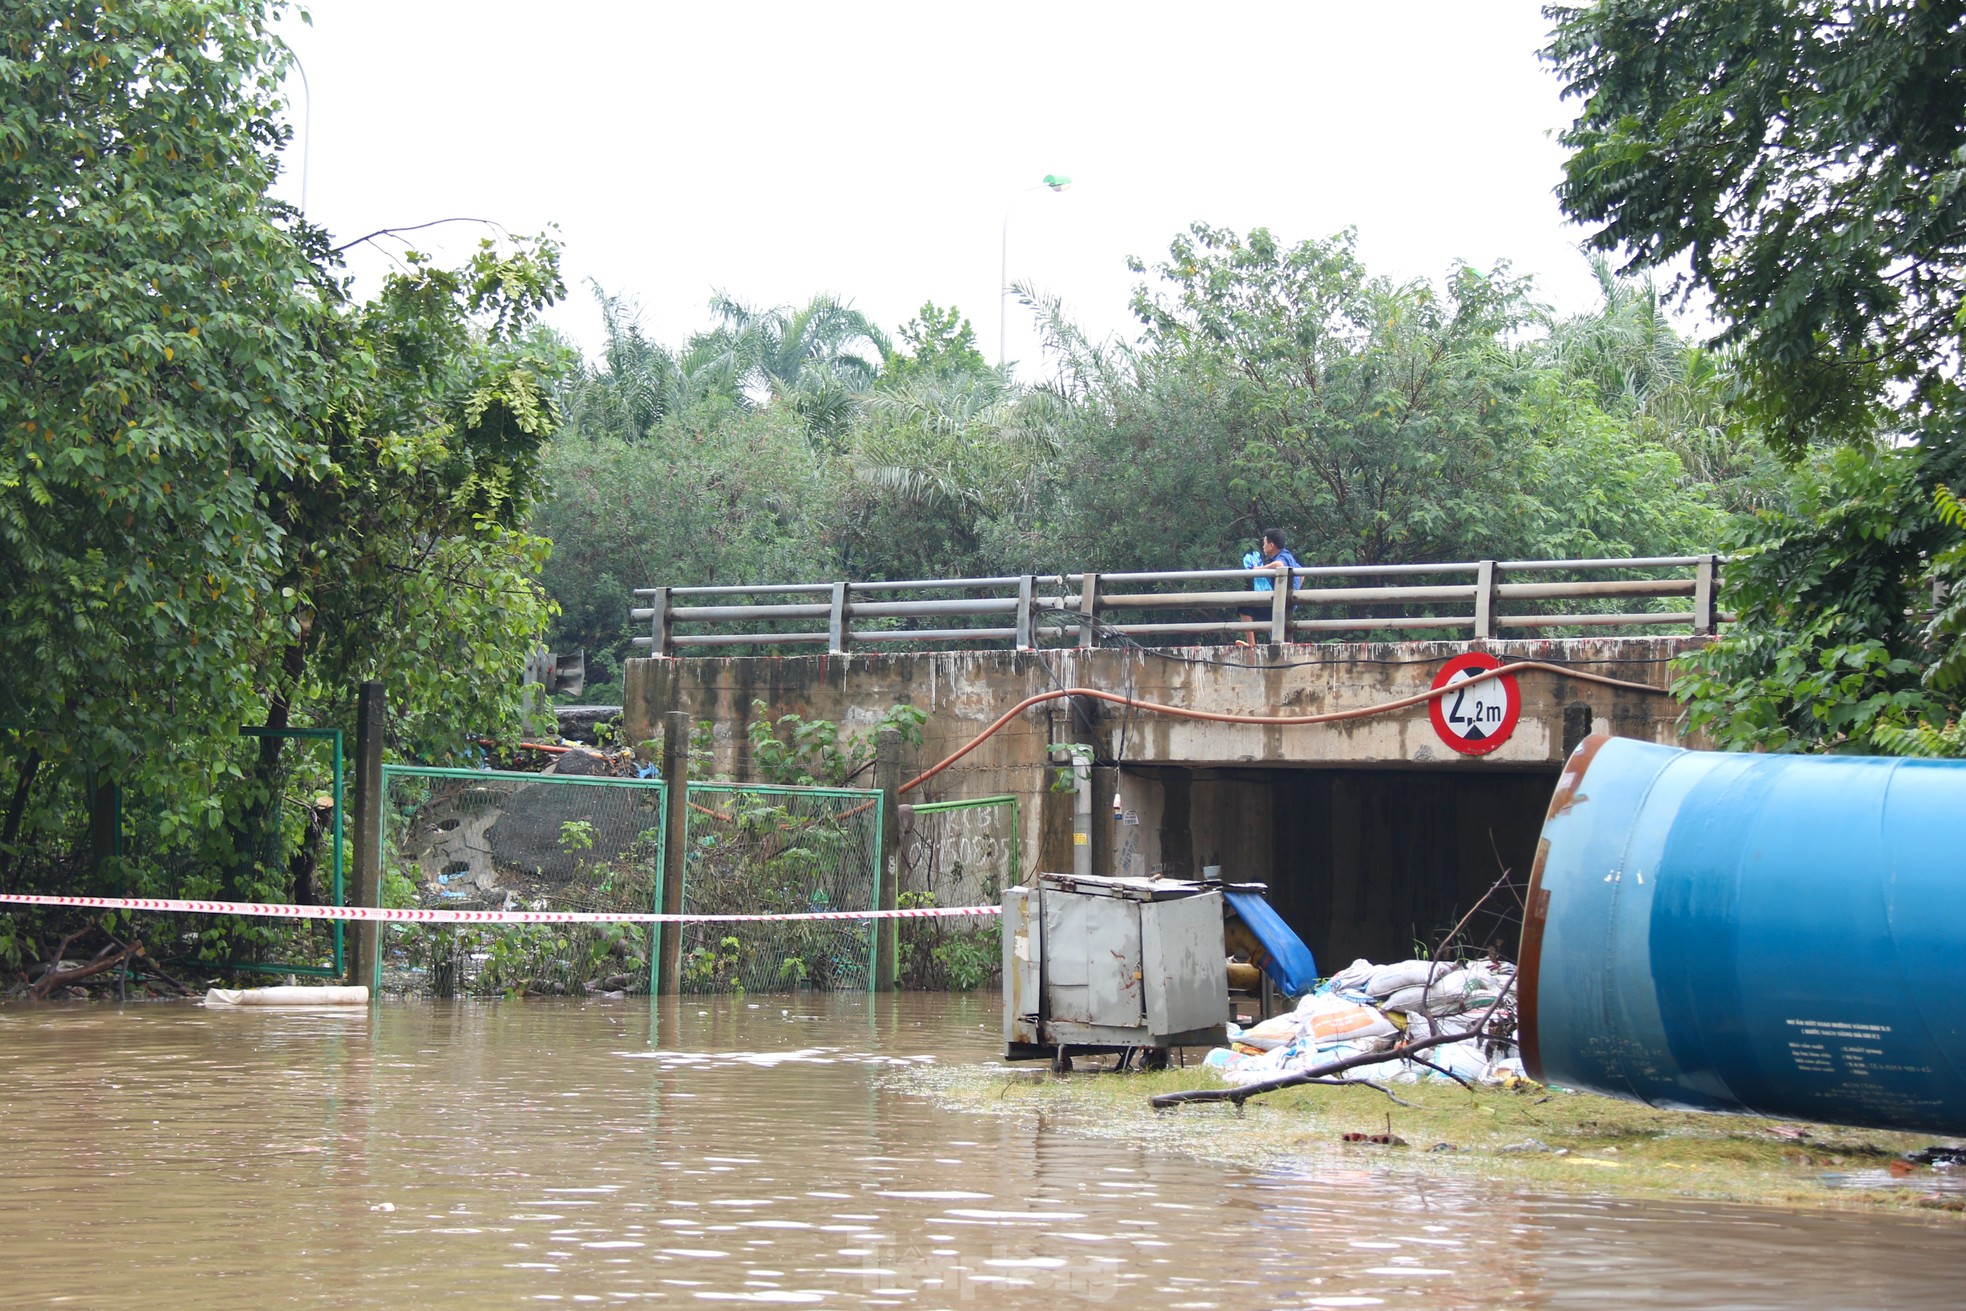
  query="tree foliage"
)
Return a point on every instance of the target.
[
  {"x": 165, "y": 332},
  {"x": 712, "y": 496},
  {"x": 1832, "y": 648},
  {"x": 1804, "y": 158},
  {"x": 228, "y": 493},
  {"x": 1276, "y": 384},
  {"x": 412, "y": 561},
  {"x": 1376, "y": 418},
  {"x": 936, "y": 343},
  {"x": 1380, "y": 422}
]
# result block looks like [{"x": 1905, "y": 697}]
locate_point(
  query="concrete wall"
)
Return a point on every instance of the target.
[{"x": 962, "y": 692}]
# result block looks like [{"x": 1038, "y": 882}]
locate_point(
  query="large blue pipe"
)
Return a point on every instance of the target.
[{"x": 1779, "y": 935}]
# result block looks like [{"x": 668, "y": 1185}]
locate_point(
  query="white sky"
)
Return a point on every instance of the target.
[{"x": 873, "y": 150}]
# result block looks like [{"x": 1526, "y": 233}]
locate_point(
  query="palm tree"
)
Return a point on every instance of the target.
[
  {"x": 1628, "y": 349},
  {"x": 962, "y": 448},
  {"x": 1673, "y": 391},
  {"x": 820, "y": 358},
  {"x": 638, "y": 382}
]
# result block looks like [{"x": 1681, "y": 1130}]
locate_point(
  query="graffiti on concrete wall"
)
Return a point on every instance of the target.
[{"x": 962, "y": 857}]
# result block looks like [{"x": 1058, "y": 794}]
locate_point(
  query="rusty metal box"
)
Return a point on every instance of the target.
[{"x": 1096, "y": 964}]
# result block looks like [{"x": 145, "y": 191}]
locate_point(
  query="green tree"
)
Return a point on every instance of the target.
[
  {"x": 1372, "y": 418},
  {"x": 409, "y": 559},
  {"x": 228, "y": 493},
  {"x": 637, "y": 383},
  {"x": 164, "y": 330},
  {"x": 1377, "y": 422},
  {"x": 404, "y": 557},
  {"x": 1666, "y": 390},
  {"x": 935, "y": 343},
  {"x": 1803, "y": 158},
  {"x": 712, "y": 495},
  {"x": 1832, "y": 649},
  {"x": 1598, "y": 485}
]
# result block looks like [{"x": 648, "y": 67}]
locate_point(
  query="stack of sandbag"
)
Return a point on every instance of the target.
[
  {"x": 1367, "y": 1007},
  {"x": 1422, "y": 987},
  {"x": 1322, "y": 1028}
]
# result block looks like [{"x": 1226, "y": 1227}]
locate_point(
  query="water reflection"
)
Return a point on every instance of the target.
[{"x": 750, "y": 1152}]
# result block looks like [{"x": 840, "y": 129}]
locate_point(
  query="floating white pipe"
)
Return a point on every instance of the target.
[{"x": 287, "y": 996}]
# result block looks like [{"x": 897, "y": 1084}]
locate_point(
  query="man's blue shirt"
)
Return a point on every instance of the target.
[{"x": 1283, "y": 557}]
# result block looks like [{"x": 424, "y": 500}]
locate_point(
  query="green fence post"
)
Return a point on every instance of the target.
[
  {"x": 364, "y": 963},
  {"x": 675, "y": 848},
  {"x": 340, "y": 867},
  {"x": 887, "y": 860}
]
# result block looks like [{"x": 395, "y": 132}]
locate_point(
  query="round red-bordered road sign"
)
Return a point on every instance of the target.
[{"x": 1475, "y": 720}]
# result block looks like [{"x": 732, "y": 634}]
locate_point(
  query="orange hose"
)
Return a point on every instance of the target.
[{"x": 1230, "y": 717}]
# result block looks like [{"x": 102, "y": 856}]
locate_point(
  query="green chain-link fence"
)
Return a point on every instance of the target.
[
  {"x": 482, "y": 840},
  {"x": 776, "y": 850}
]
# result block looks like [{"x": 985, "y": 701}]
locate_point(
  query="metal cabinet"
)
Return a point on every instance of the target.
[{"x": 1107, "y": 964}]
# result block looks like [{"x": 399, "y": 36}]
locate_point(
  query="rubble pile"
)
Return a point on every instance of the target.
[{"x": 1371, "y": 1008}]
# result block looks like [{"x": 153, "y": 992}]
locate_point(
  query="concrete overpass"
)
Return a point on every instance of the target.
[{"x": 1373, "y": 832}]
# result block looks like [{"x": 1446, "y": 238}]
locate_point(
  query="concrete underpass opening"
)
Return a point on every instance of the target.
[{"x": 1374, "y": 862}]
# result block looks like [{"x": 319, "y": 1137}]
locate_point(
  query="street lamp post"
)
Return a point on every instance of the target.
[
  {"x": 1052, "y": 182},
  {"x": 306, "y": 129}
]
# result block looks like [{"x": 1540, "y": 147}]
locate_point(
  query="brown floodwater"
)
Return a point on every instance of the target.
[{"x": 429, "y": 1156}]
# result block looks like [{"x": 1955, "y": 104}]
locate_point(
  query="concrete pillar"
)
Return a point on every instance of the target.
[
  {"x": 1105, "y": 782},
  {"x": 362, "y": 957},
  {"x": 1056, "y": 809},
  {"x": 887, "y": 864},
  {"x": 675, "y": 846}
]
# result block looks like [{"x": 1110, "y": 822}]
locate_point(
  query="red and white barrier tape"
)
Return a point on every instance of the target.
[{"x": 374, "y": 914}]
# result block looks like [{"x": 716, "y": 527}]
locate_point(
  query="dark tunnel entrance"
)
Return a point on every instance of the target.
[{"x": 1378, "y": 863}]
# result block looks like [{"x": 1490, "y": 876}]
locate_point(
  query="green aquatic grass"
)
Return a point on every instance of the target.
[{"x": 1587, "y": 1142}]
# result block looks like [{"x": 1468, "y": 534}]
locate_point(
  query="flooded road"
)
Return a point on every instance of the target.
[{"x": 733, "y": 1151}]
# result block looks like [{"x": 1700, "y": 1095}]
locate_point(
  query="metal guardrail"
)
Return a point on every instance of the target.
[{"x": 1479, "y": 598}]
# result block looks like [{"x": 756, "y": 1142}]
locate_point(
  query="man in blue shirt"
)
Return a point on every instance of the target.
[{"x": 1275, "y": 556}]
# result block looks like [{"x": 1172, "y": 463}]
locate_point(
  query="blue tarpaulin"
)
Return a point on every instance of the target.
[{"x": 1286, "y": 959}]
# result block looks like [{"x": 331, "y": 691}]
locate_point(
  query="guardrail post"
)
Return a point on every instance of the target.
[
  {"x": 362, "y": 960},
  {"x": 1706, "y": 581},
  {"x": 1484, "y": 612},
  {"x": 1089, "y": 610},
  {"x": 887, "y": 864},
  {"x": 661, "y": 639},
  {"x": 836, "y": 621},
  {"x": 1280, "y": 594},
  {"x": 675, "y": 848},
  {"x": 1026, "y": 592}
]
